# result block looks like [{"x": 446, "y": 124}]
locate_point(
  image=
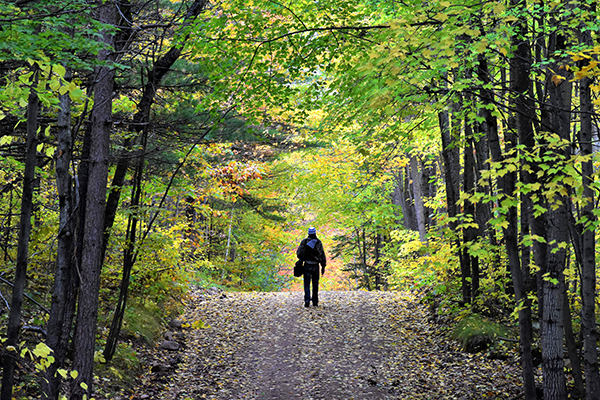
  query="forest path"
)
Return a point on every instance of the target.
[{"x": 355, "y": 345}]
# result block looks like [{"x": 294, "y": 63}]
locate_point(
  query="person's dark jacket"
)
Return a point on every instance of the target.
[{"x": 311, "y": 250}]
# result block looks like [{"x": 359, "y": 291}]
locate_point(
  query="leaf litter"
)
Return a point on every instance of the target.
[{"x": 355, "y": 345}]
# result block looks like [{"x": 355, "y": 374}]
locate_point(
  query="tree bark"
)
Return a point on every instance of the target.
[
  {"x": 91, "y": 258},
  {"x": 578, "y": 391},
  {"x": 408, "y": 206},
  {"x": 14, "y": 316},
  {"x": 450, "y": 155},
  {"x": 520, "y": 68},
  {"x": 63, "y": 301},
  {"x": 554, "y": 120},
  {"x": 470, "y": 234},
  {"x": 588, "y": 243},
  {"x": 416, "y": 175},
  {"x": 488, "y": 128}
]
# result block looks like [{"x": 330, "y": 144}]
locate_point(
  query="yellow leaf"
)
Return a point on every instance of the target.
[
  {"x": 59, "y": 69},
  {"x": 54, "y": 85},
  {"x": 42, "y": 350},
  {"x": 441, "y": 17},
  {"x": 481, "y": 46},
  {"x": 499, "y": 8}
]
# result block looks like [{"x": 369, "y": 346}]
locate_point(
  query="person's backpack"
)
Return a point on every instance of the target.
[{"x": 307, "y": 249}]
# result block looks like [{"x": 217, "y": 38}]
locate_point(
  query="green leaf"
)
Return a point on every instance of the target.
[{"x": 76, "y": 94}]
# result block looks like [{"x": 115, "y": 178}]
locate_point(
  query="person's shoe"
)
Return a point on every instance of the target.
[
  {"x": 307, "y": 304},
  {"x": 315, "y": 304}
]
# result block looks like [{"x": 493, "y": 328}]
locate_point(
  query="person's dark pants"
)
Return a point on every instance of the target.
[{"x": 311, "y": 276}]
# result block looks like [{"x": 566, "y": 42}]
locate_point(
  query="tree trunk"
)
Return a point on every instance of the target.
[
  {"x": 450, "y": 154},
  {"x": 488, "y": 128},
  {"x": 376, "y": 262},
  {"x": 61, "y": 312},
  {"x": 416, "y": 175},
  {"x": 588, "y": 243},
  {"x": 402, "y": 192},
  {"x": 141, "y": 118},
  {"x": 555, "y": 120},
  {"x": 14, "y": 316},
  {"x": 578, "y": 387},
  {"x": 363, "y": 253},
  {"x": 520, "y": 67},
  {"x": 91, "y": 258},
  {"x": 470, "y": 234},
  {"x": 129, "y": 256}
]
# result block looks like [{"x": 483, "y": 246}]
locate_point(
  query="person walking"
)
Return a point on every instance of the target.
[{"x": 311, "y": 252}]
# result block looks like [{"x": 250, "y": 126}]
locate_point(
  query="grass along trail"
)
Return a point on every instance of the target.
[{"x": 355, "y": 345}]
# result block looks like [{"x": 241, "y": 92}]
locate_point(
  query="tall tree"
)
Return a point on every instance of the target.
[
  {"x": 520, "y": 69},
  {"x": 14, "y": 318},
  {"x": 140, "y": 125},
  {"x": 588, "y": 237},
  {"x": 64, "y": 292},
  {"x": 91, "y": 258}
]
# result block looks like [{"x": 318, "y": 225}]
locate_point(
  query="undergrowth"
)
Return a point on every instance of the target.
[{"x": 476, "y": 333}]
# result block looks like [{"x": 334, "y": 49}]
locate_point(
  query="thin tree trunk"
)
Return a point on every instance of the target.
[
  {"x": 14, "y": 316},
  {"x": 470, "y": 234},
  {"x": 520, "y": 67},
  {"x": 364, "y": 257},
  {"x": 451, "y": 155},
  {"x": 129, "y": 257},
  {"x": 578, "y": 391},
  {"x": 488, "y": 128},
  {"x": 376, "y": 261},
  {"x": 416, "y": 175},
  {"x": 141, "y": 118},
  {"x": 229, "y": 234},
  {"x": 588, "y": 243},
  {"x": 61, "y": 312}
]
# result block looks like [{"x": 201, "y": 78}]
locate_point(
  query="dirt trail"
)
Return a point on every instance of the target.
[{"x": 355, "y": 345}]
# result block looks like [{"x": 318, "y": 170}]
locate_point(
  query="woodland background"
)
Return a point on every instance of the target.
[{"x": 147, "y": 147}]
